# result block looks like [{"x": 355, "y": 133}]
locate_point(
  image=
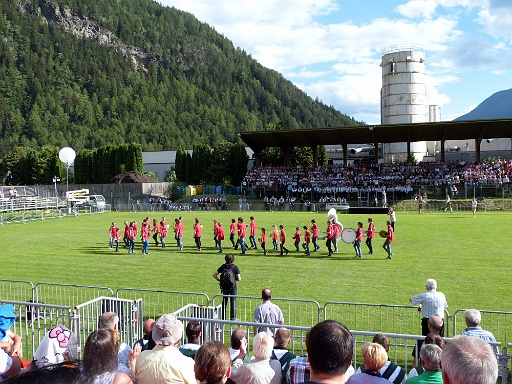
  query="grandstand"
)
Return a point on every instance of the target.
[{"x": 360, "y": 182}]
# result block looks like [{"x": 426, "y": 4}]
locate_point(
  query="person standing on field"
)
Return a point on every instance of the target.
[
  {"x": 359, "y": 239},
  {"x": 314, "y": 234},
  {"x": 390, "y": 237},
  {"x": 330, "y": 236},
  {"x": 220, "y": 236},
  {"x": 144, "y": 234},
  {"x": 275, "y": 236},
  {"x": 112, "y": 231},
  {"x": 156, "y": 231},
  {"x": 282, "y": 241},
  {"x": 370, "y": 234},
  {"x": 252, "y": 233},
  {"x": 242, "y": 232},
  {"x": 307, "y": 240},
  {"x": 198, "y": 231},
  {"x": 263, "y": 240},
  {"x": 163, "y": 232},
  {"x": 392, "y": 217},
  {"x": 232, "y": 232},
  {"x": 228, "y": 287}
]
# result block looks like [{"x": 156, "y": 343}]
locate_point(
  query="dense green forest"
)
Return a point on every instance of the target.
[{"x": 186, "y": 84}]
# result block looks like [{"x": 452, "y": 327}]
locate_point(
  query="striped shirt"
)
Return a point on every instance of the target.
[
  {"x": 433, "y": 303},
  {"x": 481, "y": 334}
]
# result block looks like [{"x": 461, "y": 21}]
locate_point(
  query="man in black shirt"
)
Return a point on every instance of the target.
[{"x": 227, "y": 275}]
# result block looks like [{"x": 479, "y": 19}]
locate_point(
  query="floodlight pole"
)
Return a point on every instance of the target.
[
  {"x": 67, "y": 179},
  {"x": 55, "y": 179}
]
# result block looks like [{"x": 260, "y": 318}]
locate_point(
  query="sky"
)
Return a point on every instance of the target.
[{"x": 331, "y": 49}]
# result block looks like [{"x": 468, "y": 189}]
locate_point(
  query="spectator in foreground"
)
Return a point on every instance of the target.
[
  {"x": 374, "y": 357},
  {"x": 110, "y": 321},
  {"x": 193, "y": 332},
  {"x": 389, "y": 371},
  {"x": 431, "y": 338},
  {"x": 237, "y": 338},
  {"x": 212, "y": 363},
  {"x": 59, "y": 345},
  {"x": 260, "y": 370},
  {"x": 281, "y": 353},
  {"x": 430, "y": 355},
  {"x": 99, "y": 363},
  {"x": 473, "y": 318},
  {"x": 165, "y": 363},
  {"x": 329, "y": 345},
  {"x": 467, "y": 359},
  {"x": 9, "y": 365},
  {"x": 147, "y": 341}
]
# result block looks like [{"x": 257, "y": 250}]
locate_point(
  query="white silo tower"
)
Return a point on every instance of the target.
[{"x": 403, "y": 95}]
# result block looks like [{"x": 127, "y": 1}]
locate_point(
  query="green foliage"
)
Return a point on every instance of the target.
[
  {"x": 238, "y": 163},
  {"x": 201, "y": 160},
  {"x": 274, "y": 156},
  {"x": 170, "y": 175},
  {"x": 181, "y": 163},
  {"x": 151, "y": 174},
  {"x": 102, "y": 164},
  {"x": 173, "y": 192},
  {"x": 33, "y": 167},
  {"x": 194, "y": 86}
]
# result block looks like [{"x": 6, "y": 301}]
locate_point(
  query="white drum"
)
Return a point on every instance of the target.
[{"x": 348, "y": 235}]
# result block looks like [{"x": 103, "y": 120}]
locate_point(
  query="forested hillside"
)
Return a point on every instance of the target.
[{"x": 85, "y": 73}]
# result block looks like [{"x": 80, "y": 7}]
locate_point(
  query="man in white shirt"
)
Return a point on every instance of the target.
[{"x": 431, "y": 303}]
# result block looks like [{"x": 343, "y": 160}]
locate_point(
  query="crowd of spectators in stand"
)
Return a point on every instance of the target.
[{"x": 400, "y": 179}]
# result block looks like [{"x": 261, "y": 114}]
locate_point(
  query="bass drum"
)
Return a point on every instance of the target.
[{"x": 348, "y": 235}]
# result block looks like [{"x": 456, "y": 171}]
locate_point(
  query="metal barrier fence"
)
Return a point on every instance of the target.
[
  {"x": 402, "y": 319},
  {"x": 499, "y": 323},
  {"x": 210, "y": 330},
  {"x": 87, "y": 315},
  {"x": 157, "y": 302},
  {"x": 68, "y": 294},
  {"x": 17, "y": 290},
  {"x": 305, "y": 313},
  {"x": 223, "y": 329},
  {"x": 34, "y": 320}
]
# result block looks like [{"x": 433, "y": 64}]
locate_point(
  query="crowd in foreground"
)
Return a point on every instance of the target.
[{"x": 161, "y": 357}]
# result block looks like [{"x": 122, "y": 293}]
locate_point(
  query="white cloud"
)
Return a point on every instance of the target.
[
  {"x": 338, "y": 60},
  {"x": 417, "y": 8},
  {"x": 496, "y": 21}
]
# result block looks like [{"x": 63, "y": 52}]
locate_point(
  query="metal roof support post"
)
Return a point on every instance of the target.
[
  {"x": 345, "y": 154},
  {"x": 477, "y": 149},
  {"x": 314, "y": 149},
  {"x": 286, "y": 155},
  {"x": 408, "y": 151}
]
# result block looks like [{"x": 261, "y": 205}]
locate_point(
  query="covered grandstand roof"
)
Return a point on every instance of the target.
[{"x": 439, "y": 131}]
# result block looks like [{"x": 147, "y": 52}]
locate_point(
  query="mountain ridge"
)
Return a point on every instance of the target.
[
  {"x": 496, "y": 106},
  {"x": 81, "y": 74}
]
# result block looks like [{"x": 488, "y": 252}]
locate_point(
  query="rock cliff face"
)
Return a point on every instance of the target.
[{"x": 83, "y": 27}]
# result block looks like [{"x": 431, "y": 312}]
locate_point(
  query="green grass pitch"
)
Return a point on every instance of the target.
[{"x": 470, "y": 258}]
